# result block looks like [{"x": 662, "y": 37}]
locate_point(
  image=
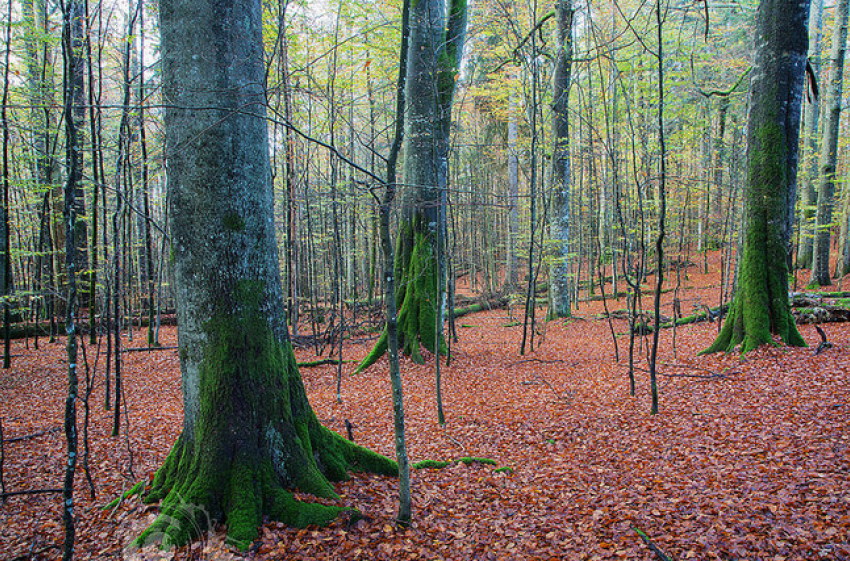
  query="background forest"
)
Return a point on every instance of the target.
[
  {"x": 596, "y": 156},
  {"x": 331, "y": 83}
]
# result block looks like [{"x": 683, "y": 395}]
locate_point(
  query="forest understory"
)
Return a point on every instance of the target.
[{"x": 749, "y": 457}]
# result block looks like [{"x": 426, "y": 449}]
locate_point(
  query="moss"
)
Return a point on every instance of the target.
[
  {"x": 244, "y": 505},
  {"x": 137, "y": 489},
  {"x": 504, "y": 469},
  {"x": 379, "y": 350},
  {"x": 474, "y": 460},
  {"x": 760, "y": 308},
  {"x": 229, "y": 471},
  {"x": 440, "y": 464},
  {"x": 431, "y": 464},
  {"x": 282, "y": 506},
  {"x": 417, "y": 297}
]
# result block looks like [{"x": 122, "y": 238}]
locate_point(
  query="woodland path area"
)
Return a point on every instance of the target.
[{"x": 749, "y": 458}]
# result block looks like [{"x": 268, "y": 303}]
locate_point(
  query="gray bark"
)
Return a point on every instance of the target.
[
  {"x": 760, "y": 306},
  {"x": 513, "y": 196},
  {"x": 249, "y": 433},
  {"x": 808, "y": 196},
  {"x": 829, "y": 157},
  {"x": 561, "y": 162}
]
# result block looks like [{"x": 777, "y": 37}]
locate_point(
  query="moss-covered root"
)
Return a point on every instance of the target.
[
  {"x": 194, "y": 491},
  {"x": 240, "y": 499},
  {"x": 431, "y": 464},
  {"x": 379, "y": 350},
  {"x": 749, "y": 330},
  {"x": 136, "y": 489},
  {"x": 337, "y": 455},
  {"x": 440, "y": 464}
]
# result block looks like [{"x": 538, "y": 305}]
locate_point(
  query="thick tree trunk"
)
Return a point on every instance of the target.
[
  {"x": 829, "y": 157},
  {"x": 760, "y": 307},
  {"x": 249, "y": 433},
  {"x": 436, "y": 42},
  {"x": 561, "y": 162}
]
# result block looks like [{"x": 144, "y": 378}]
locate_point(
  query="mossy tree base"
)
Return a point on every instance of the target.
[
  {"x": 760, "y": 307},
  {"x": 417, "y": 295},
  {"x": 256, "y": 437}
]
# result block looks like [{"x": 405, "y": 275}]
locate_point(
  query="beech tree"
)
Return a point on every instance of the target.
[
  {"x": 249, "y": 433},
  {"x": 760, "y": 306},
  {"x": 829, "y": 156},
  {"x": 561, "y": 160},
  {"x": 436, "y": 44}
]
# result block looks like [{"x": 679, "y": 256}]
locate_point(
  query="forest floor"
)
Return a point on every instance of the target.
[{"x": 748, "y": 458}]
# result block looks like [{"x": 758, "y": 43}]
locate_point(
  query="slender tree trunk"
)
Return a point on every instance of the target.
[
  {"x": 513, "y": 196},
  {"x": 6, "y": 284},
  {"x": 404, "y": 495},
  {"x": 72, "y": 150},
  {"x": 662, "y": 215}
]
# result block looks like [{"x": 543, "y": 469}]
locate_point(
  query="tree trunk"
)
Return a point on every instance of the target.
[
  {"x": 808, "y": 197},
  {"x": 760, "y": 306},
  {"x": 436, "y": 42},
  {"x": 513, "y": 197},
  {"x": 561, "y": 162},
  {"x": 249, "y": 432},
  {"x": 829, "y": 157}
]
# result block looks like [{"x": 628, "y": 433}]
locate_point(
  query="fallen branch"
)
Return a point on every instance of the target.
[
  {"x": 31, "y": 436},
  {"x": 145, "y": 349},
  {"x": 709, "y": 376},
  {"x": 30, "y": 492},
  {"x": 320, "y": 362},
  {"x": 487, "y": 304},
  {"x": 540, "y": 360},
  {"x": 824, "y": 344},
  {"x": 34, "y": 554}
]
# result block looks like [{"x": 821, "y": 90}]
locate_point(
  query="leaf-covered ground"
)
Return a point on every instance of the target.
[{"x": 749, "y": 458}]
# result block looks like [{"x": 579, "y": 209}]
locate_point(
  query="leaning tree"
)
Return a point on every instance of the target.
[
  {"x": 760, "y": 307},
  {"x": 249, "y": 434}
]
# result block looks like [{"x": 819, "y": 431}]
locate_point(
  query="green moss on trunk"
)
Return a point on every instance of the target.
[
  {"x": 417, "y": 296},
  {"x": 255, "y": 438},
  {"x": 761, "y": 305}
]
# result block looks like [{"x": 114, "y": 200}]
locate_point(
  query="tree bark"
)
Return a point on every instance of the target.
[
  {"x": 436, "y": 43},
  {"x": 829, "y": 156},
  {"x": 561, "y": 162},
  {"x": 249, "y": 433},
  {"x": 808, "y": 197},
  {"x": 760, "y": 307}
]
